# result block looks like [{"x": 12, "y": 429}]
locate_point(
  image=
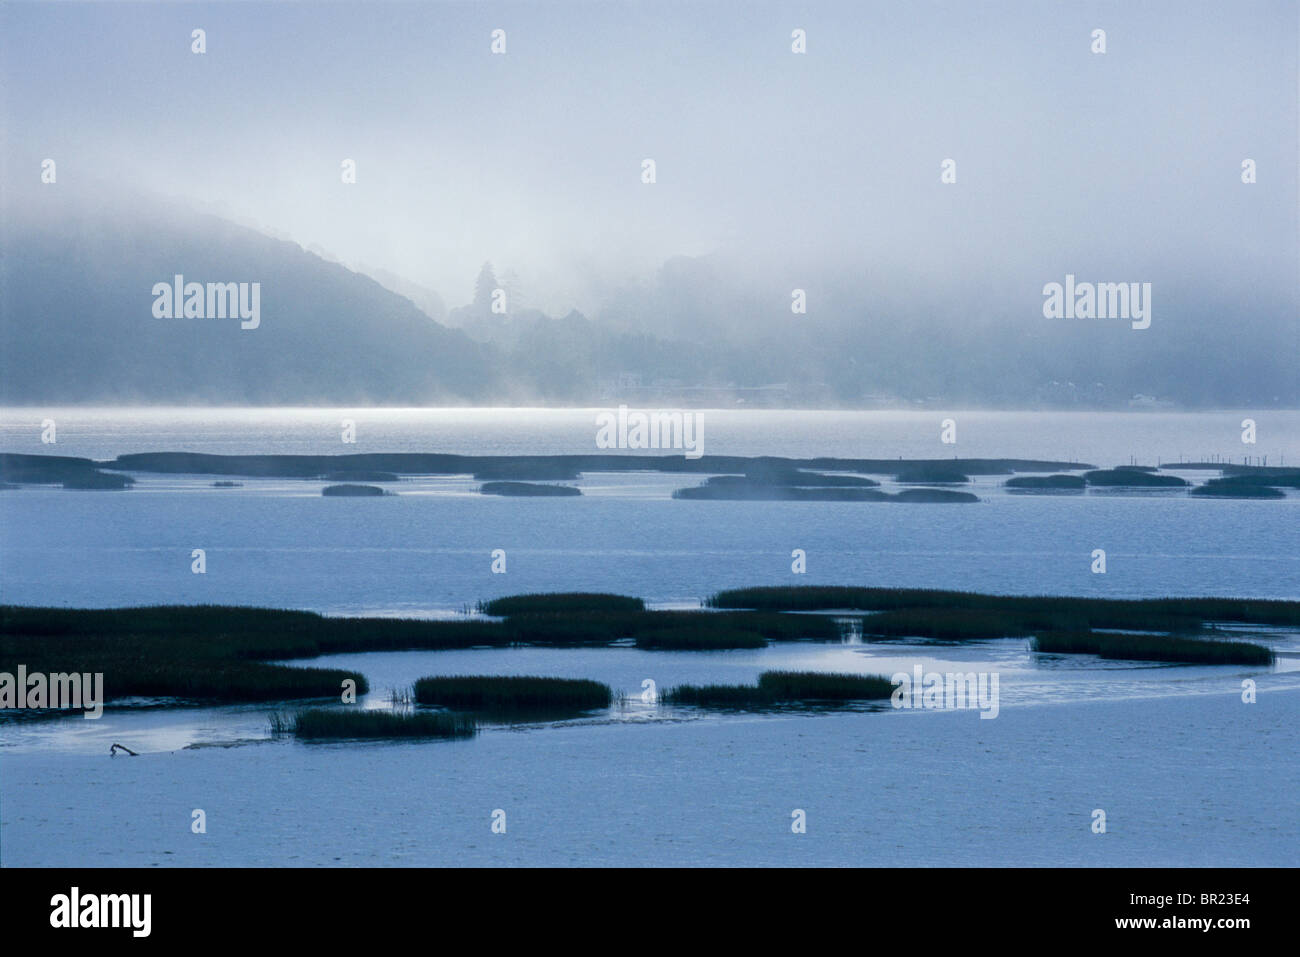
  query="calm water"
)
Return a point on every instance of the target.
[
  {"x": 428, "y": 550},
  {"x": 1186, "y": 772}
]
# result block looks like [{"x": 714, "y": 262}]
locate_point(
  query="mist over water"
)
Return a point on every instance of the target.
[
  {"x": 914, "y": 181},
  {"x": 1100, "y": 439}
]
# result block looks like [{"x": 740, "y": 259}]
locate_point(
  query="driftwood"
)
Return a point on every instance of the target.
[{"x": 112, "y": 752}]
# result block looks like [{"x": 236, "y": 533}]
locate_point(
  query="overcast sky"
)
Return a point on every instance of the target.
[{"x": 1125, "y": 164}]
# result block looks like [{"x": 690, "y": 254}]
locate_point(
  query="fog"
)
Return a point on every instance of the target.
[{"x": 774, "y": 170}]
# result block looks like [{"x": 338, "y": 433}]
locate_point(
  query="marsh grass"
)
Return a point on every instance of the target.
[
  {"x": 353, "y": 491},
  {"x": 400, "y": 698},
  {"x": 524, "y": 695},
  {"x": 776, "y": 688},
  {"x": 1154, "y": 648},
  {"x": 560, "y": 602},
  {"x": 935, "y": 495},
  {"x": 232, "y": 654},
  {"x": 578, "y": 619},
  {"x": 823, "y": 686},
  {"x": 215, "y": 653},
  {"x": 226, "y": 654},
  {"x": 223, "y": 631},
  {"x": 529, "y": 490},
  {"x": 1213, "y": 489},
  {"x": 1133, "y": 478},
  {"x": 932, "y": 472},
  {"x": 951, "y": 624},
  {"x": 1034, "y": 611},
  {"x": 225, "y": 682},
  {"x": 1274, "y": 479},
  {"x": 774, "y": 626},
  {"x": 1053, "y": 482},
  {"x": 560, "y": 629}
]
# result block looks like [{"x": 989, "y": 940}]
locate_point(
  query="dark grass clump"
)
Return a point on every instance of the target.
[
  {"x": 500, "y": 694},
  {"x": 215, "y": 653},
  {"x": 936, "y": 495},
  {"x": 71, "y": 473},
  {"x": 774, "y": 626},
  {"x": 699, "y": 639},
  {"x": 327, "y": 636},
  {"x": 202, "y": 653},
  {"x": 216, "y": 681},
  {"x": 19, "y": 468},
  {"x": 355, "y": 723},
  {"x": 529, "y": 490},
  {"x": 1278, "y": 478},
  {"x": 1063, "y": 483},
  {"x": 948, "y": 624},
  {"x": 1154, "y": 648},
  {"x": 223, "y": 682},
  {"x": 823, "y": 686},
  {"x": 1132, "y": 478},
  {"x": 216, "y": 631},
  {"x": 572, "y": 629},
  {"x": 777, "y": 688},
  {"x": 560, "y": 602},
  {"x": 353, "y": 491},
  {"x": 1033, "y": 611},
  {"x": 1213, "y": 489}
]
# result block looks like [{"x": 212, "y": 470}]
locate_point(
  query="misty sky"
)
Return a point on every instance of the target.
[{"x": 1124, "y": 166}]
